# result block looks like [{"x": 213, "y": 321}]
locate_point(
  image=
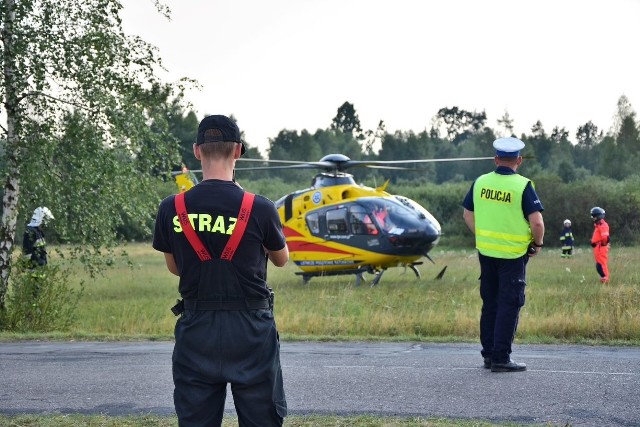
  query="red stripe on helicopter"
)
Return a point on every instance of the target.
[
  {"x": 290, "y": 232},
  {"x": 312, "y": 247}
]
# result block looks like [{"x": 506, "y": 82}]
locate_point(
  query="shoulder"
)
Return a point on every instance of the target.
[
  {"x": 168, "y": 200},
  {"x": 167, "y": 203},
  {"x": 263, "y": 202}
]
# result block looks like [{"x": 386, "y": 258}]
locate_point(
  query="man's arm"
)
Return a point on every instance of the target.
[
  {"x": 171, "y": 263},
  {"x": 278, "y": 258},
  {"x": 537, "y": 227},
  {"x": 469, "y": 219}
]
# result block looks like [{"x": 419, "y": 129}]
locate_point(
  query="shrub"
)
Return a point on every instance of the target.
[{"x": 39, "y": 300}]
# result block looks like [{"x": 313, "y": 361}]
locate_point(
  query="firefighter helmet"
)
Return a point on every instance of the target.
[
  {"x": 41, "y": 215},
  {"x": 597, "y": 213},
  {"x": 567, "y": 223}
]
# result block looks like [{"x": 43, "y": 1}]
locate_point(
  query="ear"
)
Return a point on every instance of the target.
[
  {"x": 519, "y": 160},
  {"x": 196, "y": 151},
  {"x": 237, "y": 152}
]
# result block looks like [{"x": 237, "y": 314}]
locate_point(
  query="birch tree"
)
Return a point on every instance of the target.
[{"x": 82, "y": 131}]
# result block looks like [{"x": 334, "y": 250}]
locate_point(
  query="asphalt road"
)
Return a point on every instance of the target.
[{"x": 575, "y": 385}]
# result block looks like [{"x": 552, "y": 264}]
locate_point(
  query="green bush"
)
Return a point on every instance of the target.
[
  {"x": 40, "y": 299},
  {"x": 573, "y": 200}
]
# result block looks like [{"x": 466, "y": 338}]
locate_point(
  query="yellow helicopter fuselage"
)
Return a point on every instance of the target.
[{"x": 332, "y": 228}]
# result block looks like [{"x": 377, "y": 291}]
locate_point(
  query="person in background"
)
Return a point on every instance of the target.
[
  {"x": 566, "y": 239},
  {"x": 34, "y": 246},
  {"x": 504, "y": 213},
  {"x": 601, "y": 242},
  {"x": 217, "y": 238}
]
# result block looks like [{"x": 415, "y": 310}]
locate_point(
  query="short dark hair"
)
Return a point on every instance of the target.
[{"x": 218, "y": 150}]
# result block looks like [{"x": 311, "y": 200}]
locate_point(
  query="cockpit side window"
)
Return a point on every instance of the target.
[
  {"x": 337, "y": 221},
  {"x": 361, "y": 222}
]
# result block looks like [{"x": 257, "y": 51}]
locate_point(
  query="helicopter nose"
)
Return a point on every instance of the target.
[
  {"x": 432, "y": 234},
  {"x": 430, "y": 238},
  {"x": 420, "y": 241}
]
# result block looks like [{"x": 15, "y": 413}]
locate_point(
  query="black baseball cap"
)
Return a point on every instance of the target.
[{"x": 218, "y": 128}]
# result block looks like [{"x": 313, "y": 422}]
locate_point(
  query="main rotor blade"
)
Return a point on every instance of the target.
[
  {"x": 300, "y": 166},
  {"x": 341, "y": 165},
  {"x": 295, "y": 162},
  {"x": 353, "y": 163}
]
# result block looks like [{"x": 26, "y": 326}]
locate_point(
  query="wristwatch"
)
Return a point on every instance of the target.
[{"x": 537, "y": 245}]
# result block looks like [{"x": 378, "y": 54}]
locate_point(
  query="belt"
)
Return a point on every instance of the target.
[{"x": 248, "y": 304}]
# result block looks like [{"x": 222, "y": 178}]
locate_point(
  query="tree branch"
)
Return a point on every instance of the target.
[{"x": 36, "y": 93}]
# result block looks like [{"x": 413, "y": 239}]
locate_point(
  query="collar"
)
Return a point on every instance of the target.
[{"x": 504, "y": 170}]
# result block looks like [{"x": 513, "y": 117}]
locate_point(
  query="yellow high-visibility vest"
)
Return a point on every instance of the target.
[{"x": 501, "y": 229}]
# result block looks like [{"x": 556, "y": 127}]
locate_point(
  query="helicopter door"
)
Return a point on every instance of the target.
[{"x": 288, "y": 211}]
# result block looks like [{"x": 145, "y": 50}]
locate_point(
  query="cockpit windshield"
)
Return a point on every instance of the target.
[{"x": 391, "y": 215}]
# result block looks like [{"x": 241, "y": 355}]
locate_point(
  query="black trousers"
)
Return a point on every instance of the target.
[
  {"x": 502, "y": 288},
  {"x": 216, "y": 348}
]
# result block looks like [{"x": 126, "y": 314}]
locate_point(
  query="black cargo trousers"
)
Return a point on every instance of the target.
[{"x": 216, "y": 347}]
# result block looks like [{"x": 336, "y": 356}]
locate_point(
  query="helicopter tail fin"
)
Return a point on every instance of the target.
[
  {"x": 383, "y": 187},
  {"x": 185, "y": 180}
]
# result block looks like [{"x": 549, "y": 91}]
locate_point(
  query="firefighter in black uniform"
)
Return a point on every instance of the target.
[
  {"x": 217, "y": 238},
  {"x": 34, "y": 246}
]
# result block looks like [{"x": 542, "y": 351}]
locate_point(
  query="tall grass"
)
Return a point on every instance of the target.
[{"x": 565, "y": 301}]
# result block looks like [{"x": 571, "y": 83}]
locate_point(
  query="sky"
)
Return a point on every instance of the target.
[{"x": 290, "y": 64}]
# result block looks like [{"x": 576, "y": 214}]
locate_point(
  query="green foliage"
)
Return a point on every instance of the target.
[
  {"x": 86, "y": 129},
  {"x": 574, "y": 200},
  {"x": 347, "y": 121},
  {"x": 40, "y": 299},
  {"x": 561, "y": 200},
  {"x": 272, "y": 189}
]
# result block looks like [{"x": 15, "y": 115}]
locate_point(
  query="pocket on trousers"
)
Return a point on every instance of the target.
[
  {"x": 519, "y": 286},
  {"x": 281, "y": 408}
]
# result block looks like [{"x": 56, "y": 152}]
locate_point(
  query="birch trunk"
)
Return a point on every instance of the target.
[{"x": 12, "y": 152}]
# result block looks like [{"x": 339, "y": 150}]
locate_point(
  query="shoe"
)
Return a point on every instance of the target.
[
  {"x": 487, "y": 363},
  {"x": 510, "y": 366}
]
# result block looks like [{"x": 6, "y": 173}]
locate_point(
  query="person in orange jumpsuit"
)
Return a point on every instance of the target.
[{"x": 600, "y": 241}]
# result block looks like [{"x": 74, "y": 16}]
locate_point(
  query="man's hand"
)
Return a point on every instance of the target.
[{"x": 533, "y": 250}]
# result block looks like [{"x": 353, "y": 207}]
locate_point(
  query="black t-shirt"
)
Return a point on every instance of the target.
[{"x": 215, "y": 205}]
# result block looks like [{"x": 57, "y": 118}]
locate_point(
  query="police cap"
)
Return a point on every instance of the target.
[{"x": 508, "y": 147}]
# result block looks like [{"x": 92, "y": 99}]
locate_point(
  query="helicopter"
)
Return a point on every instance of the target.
[{"x": 339, "y": 227}]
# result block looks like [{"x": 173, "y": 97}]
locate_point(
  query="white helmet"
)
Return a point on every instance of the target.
[
  {"x": 567, "y": 223},
  {"x": 40, "y": 216}
]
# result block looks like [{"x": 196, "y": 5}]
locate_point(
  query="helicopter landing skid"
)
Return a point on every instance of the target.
[
  {"x": 376, "y": 279},
  {"x": 413, "y": 268},
  {"x": 306, "y": 277}
]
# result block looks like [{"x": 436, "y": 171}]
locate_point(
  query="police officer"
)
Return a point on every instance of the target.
[
  {"x": 601, "y": 242},
  {"x": 566, "y": 239},
  {"x": 34, "y": 245},
  {"x": 504, "y": 212},
  {"x": 217, "y": 238}
]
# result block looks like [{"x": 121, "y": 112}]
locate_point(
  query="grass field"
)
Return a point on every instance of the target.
[{"x": 565, "y": 301}]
